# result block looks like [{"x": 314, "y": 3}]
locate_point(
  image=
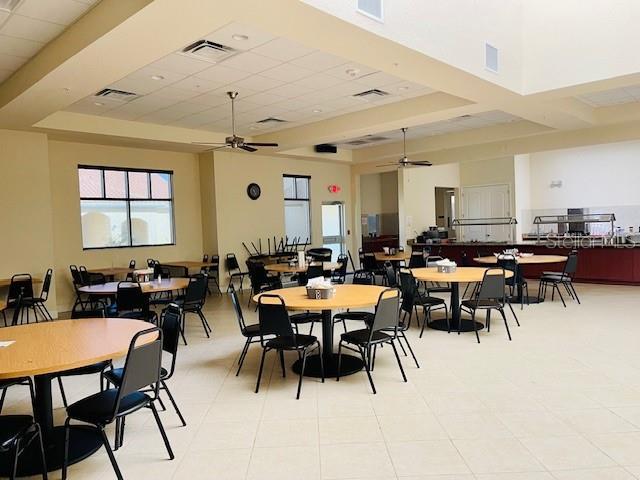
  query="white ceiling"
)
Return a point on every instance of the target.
[
  {"x": 274, "y": 76},
  {"x": 615, "y": 96},
  {"x": 32, "y": 24},
  {"x": 459, "y": 124}
]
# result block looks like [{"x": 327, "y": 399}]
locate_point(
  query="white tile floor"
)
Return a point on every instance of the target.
[{"x": 562, "y": 401}]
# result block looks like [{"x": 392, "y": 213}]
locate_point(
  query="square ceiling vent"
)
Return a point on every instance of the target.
[
  {"x": 209, "y": 51},
  {"x": 371, "y": 8}
]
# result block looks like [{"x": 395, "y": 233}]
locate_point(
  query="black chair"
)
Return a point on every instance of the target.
[
  {"x": 22, "y": 381},
  {"x": 466, "y": 262},
  {"x": 141, "y": 370},
  {"x": 409, "y": 287},
  {"x": 21, "y": 286},
  {"x": 431, "y": 261},
  {"x": 76, "y": 279},
  {"x": 517, "y": 281},
  {"x": 37, "y": 304},
  {"x": 564, "y": 278},
  {"x": 214, "y": 273},
  {"x": 233, "y": 269},
  {"x": 390, "y": 277},
  {"x": 250, "y": 332},
  {"x": 260, "y": 280},
  {"x": 359, "y": 278},
  {"x": 205, "y": 258},
  {"x": 273, "y": 320},
  {"x": 193, "y": 302},
  {"x": 320, "y": 254},
  {"x": 99, "y": 367},
  {"x": 416, "y": 260},
  {"x": 170, "y": 324},
  {"x": 382, "y": 330},
  {"x": 131, "y": 302},
  {"x": 370, "y": 264},
  {"x": 132, "y": 264},
  {"x": 339, "y": 275},
  {"x": 491, "y": 296},
  {"x": 16, "y": 434}
]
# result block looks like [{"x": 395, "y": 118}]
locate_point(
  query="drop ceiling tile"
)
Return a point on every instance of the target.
[
  {"x": 186, "y": 108},
  {"x": 212, "y": 99},
  {"x": 9, "y": 62},
  {"x": 224, "y": 36},
  {"x": 296, "y": 103},
  {"x": 122, "y": 114},
  {"x": 89, "y": 107},
  {"x": 188, "y": 122},
  {"x": 243, "y": 92},
  {"x": 377, "y": 80},
  {"x": 320, "y": 96},
  {"x": 242, "y": 106},
  {"x": 176, "y": 94},
  {"x": 317, "y": 82},
  {"x": 265, "y": 98},
  {"x": 31, "y": 29},
  {"x": 161, "y": 117},
  {"x": 282, "y": 49},
  {"x": 63, "y": 12},
  {"x": 349, "y": 71},
  {"x": 179, "y": 63},
  {"x": 251, "y": 62},
  {"x": 147, "y": 73},
  {"x": 223, "y": 74},
  {"x": 257, "y": 83},
  {"x": 288, "y": 72},
  {"x": 210, "y": 115},
  {"x": 196, "y": 84},
  {"x": 346, "y": 89},
  {"x": 318, "y": 61},
  {"x": 136, "y": 85},
  {"x": 19, "y": 46},
  {"x": 290, "y": 91}
]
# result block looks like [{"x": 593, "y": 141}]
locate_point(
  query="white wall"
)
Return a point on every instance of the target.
[{"x": 522, "y": 193}]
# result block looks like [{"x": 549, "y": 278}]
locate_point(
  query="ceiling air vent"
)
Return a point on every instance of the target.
[
  {"x": 374, "y": 92},
  {"x": 118, "y": 95},
  {"x": 371, "y": 8},
  {"x": 356, "y": 142},
  {"x": 491, "y": 57},
  {"x": 8, "y": 5},
  {"x": 373, "y": 139},
  {"x": 271, "y": 120},
  {"x": 209, "y": 51}
]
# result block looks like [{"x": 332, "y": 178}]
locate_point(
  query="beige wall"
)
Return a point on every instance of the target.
[
  {"x": 241, "y": 219},
  {"x": 208, "y": 203},
  {"x": 370, "y": 194},
  {"x": 64, "y": 158},
  {"x": 26, "y": 242}
]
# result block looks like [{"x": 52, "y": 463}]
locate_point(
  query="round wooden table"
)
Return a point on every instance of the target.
[
  {"x": 528, "y": 260},
  {"x": 288, "y": 268},
  {"x": 111, "y": 288},
  {"x": 398, "y": 257},
  {"x": 347, "y": 296},
  {"x": 43, "y": 349},
  {"x": 461, "y": 275}
]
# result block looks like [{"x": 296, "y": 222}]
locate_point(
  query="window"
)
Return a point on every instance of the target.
[
  {"x": 121, "y": 207},
  {"x": 297, "y": 209}
]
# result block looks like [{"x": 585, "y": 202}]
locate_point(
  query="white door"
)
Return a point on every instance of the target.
[
  {"x": 333, "y": 227},
  {"x": 490, "y": 201}
]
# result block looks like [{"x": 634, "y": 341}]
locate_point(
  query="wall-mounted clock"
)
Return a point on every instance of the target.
[{"x": 253, "y": 190}]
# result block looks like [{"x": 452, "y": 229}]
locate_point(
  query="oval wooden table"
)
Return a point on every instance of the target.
[
  {"x": 43, "y": 349},
  {"x": 398, "y": 257},
  {"x": 288, "y": 268},
  {"x": 528, "y": 260},
  {"x": 111, "y": 288},
  {"x": 347, "y": 296},
  {"x": 461, "y": 275}
]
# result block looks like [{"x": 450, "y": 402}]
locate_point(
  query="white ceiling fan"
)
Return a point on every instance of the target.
[
  {"x": 404, "y": 161},
  {"x": 235, "y": 141}
]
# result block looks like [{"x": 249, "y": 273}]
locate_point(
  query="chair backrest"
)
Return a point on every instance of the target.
[
  {"x": 98, "y": 311},
  {"x": 432, "y": 259},
  {"x": 132, "y": 263},
  {"x": 390, "y": 275},
  {"x": 129, "y": 297},
  {"x": 315, "y": 270},
  {"x": 386, "y": 316},
  {"x": 257, "y": 274},
  {"x": 353, "y": 265},
  {"x": 369, "y": 261},
  {"x": 273, "y": 317},
  {"x": 231, "y": 262},
  {"x": 466, "y": 261},
  {"x": 416, "y": 260},
  {"x": 320, "y": 254},
  {"x": 205, "y": 258},
  {"x": 142, "y": 365},
  {"x": 215, "y": 268},
  {"x": 161, "y": 270},
  {"x": 196, "y": 293},
  {"x": 363, "y": 278},
  {"x": 407, "y": 283},
  {"x": 150, "y": 262},
  {"x": 571, "y": 265},
  {"x": 492, "y": 286},
  {"x": 21, "y": 285},
  {"x": 170, "y": 325},
  {"x": 341, "y": 271},
  {"x": 237, "y": 308},
  {"x": 46, "y": 284},
  {"x": 75, "y": 276}
]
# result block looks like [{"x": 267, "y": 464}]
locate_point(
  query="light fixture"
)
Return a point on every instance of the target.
[
  {"x": 239, "y": 37},
  {"x": 352, "y": 72},
  {"x": 316, "y": 110},
  {"x": 98, "y": 104},
  {"x": 403, "y": 88},
  {"x": 157, "y": 77}
]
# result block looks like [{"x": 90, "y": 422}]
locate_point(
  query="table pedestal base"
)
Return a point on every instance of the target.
[
  {"x": 348, "y": 365},
  {"x": 467, "y": 325},
  {"x": 83, "y": 442}
]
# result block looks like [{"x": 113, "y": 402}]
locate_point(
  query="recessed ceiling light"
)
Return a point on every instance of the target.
[
  {"x": 157, "y": 77},
  {"x": 239, "y": 37},
  {"x": 98, "y": 104},
  {"x": 403, "y": 88},
  {"x": 316, "y": 110},
  {"x": 352, "y": 72}
]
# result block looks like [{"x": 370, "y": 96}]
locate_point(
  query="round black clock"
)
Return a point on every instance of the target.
[{"x": 253, "y": 190}]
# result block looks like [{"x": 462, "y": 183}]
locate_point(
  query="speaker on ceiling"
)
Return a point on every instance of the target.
[{"x": 326, "y": 148}]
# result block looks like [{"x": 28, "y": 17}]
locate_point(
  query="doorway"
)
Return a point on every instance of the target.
[
  {"x": 333, "y": 223},
  {"x": 445, "y": 208},
  {"x": 488, "y": 201}
]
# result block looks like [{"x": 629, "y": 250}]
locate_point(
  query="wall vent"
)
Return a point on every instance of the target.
[
  {"x": 118, "y": 95},
  {"x": 371, "y": 8},
  {"x": 271, "y": 120},
  {"x": 8, "y": 5},
  {"x": 374, "y": 92},
  {"x": 491, "y": 57},
  {"x": 209, "y": 51}
]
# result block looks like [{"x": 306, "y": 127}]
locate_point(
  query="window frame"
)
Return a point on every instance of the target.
[
  {"x": 296, "y": 198},
  {"x": 128, "y": 200}
]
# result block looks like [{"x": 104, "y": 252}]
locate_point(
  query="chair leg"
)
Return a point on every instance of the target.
[
  {"x": 14, "y": 459},
  {"x": 2, "y": 397},
  {"x": 366, "y": 366},
  {"x": 514, "y": 313},
  {"x": 339, "y": 360},
  {"x": 574, "y": 292},
  {"x": 284, "y": 374},
  {"x": 304, "y": 363},
  {"x": 43, "y": 459},
  {"x": 506, "y": 325},
  {"x": 182, "y": 327},
  {"x": 264, "y": 352},
  {"x": 162, "y": 432},
  {"x": 406, "y": 340},
  {"x": 404, "y": 352},
  {"x": 243, "y": 354},
  {"x": 204, "y": 323},
  {"x": 395, "y": 351},
  {"x": 321, "y": 362},
  {"x": 65, "y": 460},
  {"x": 555, "y": 286},
  {"x": 173, "y": 402},
  {"x": 475, "y": 325},
  {"x": 427, "y": 317},
  {"x": 62, "y": 394}
]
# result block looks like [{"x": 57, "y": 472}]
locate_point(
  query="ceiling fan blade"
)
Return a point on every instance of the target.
[
  {"x": 247, "y": 148},
  {"x": 388, "y": 164},
  {"x": 420, "y": 163},
  {"x": 208, "y": 143},
  {"x": 260, "y": 144}
]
